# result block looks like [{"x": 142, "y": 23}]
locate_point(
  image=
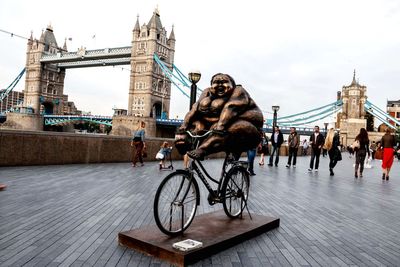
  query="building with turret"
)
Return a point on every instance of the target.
[
  {"x": 149, "y": 89},
  {"x": 44, "y": 83},
  {"x": 352, "y": 117}
]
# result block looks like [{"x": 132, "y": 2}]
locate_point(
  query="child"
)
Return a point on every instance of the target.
[{"x": 163, "y": 153}]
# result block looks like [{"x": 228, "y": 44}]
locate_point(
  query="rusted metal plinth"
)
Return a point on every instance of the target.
[{"x": 215, "y": 230}]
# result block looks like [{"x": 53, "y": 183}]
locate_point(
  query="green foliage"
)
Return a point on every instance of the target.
[{"x": 370, "y": 122}]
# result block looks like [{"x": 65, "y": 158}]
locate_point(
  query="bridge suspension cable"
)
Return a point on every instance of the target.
[
  {"x": 380, "y": 115},
  {"x": 336, "y": 103},
  {"x": 309, "y": 116},
  {"x": 6, "y": 91},
  {"x": 177, "y": 79},
  {"x": 314, "y": 118}
]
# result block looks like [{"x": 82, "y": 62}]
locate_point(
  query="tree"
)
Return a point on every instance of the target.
[{"x": 370, "y": 122}]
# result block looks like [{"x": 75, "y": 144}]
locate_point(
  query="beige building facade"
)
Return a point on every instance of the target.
[{"x": 352, "y": 117}]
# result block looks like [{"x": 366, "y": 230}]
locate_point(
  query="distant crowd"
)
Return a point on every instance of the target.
[
  {"x": 329, "y": 145},
  {"x": 362, "y": 149}
]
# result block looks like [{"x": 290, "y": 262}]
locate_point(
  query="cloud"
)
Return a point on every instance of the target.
[{"x": 295, "y": 53}]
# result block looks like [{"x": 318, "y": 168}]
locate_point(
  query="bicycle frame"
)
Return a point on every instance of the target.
[{"x": 201, "y": 171}]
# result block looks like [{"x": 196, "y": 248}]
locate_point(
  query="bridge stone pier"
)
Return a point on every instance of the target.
[{"x": 23, "y": 121}]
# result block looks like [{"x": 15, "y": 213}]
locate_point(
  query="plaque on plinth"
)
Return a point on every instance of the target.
[{"x": 214, "y": 230}]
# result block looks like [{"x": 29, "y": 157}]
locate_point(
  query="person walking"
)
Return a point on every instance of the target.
[
  {"x": 331, "y": 145},
  {"x": 388, "y": 143},
  {"x": 139, "y": 144},
  {"x": 305, "y": 147},
  {"x": 263, "y": 148},
  {"x": 293, "y": 144},
  {"x": 251, "y": 154},
  {"x": 276, "y": 141},
  {"x": 373, "y": 149},
  {"x": 316, "y": 142},
  {"x": 361, "y": 152}
]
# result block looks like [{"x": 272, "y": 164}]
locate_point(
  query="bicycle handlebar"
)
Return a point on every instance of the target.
[{"x": 200, "y": 136}]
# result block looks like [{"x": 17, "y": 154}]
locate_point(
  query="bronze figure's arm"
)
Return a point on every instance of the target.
[{"x": 191, "y": 115}]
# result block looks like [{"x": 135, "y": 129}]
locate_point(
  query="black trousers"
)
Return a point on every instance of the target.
[
  {"x": 292, "y": 154},
  {"x": 332, "y": 158},
  {"x": 315, "y": 153},
  {"x": 360, "y": 159}
]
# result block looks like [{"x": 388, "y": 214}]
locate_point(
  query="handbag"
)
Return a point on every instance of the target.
[
  {"x": 356, "y": 144},
  {"x": 338, "y": 154},
  {"x": 159, "y": 156},
  {"x": 379, "y": 153}
]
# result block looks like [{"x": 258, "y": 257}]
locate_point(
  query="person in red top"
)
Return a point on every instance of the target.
[{"x": 388, "y": 143}]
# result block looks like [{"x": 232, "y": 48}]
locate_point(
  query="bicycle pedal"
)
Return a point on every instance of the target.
[{"x": 211, "y": 199}]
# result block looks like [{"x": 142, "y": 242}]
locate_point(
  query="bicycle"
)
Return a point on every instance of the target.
[{"x": 178, "y": 195}]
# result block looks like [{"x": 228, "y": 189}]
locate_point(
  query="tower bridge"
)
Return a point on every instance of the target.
[
  {"x": 148, "y": 94},
  {"x": 151, "y": 60}
]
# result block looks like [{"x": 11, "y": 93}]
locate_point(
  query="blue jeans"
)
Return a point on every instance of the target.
[
  {"x": 251, "y": 154},
  {"x": 275, "y": 149}
]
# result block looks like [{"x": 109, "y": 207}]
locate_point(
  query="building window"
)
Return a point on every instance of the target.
[{"x": 138, "y": 103}]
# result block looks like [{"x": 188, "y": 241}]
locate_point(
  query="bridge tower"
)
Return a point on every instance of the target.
[
  {"x": 352, "y": 117},
  {"x": 44, "y": 83},
  {"x": 149, "y": 89}
]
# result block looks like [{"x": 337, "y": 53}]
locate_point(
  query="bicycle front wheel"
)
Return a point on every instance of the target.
[
  {"x": 235, "y": 191},
  {"x": 175, "y": 203}
]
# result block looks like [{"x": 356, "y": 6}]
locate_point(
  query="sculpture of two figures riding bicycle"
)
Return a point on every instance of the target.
[{"x": 225, "y": 118}]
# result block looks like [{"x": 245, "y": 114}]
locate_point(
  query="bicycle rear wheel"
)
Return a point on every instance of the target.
[
  {"x": 235, "y": 191},
  {"x": 175, "y": 203}
]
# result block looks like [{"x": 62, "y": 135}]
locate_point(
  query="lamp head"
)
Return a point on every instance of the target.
[
  {"x": 194, "y": 76},
  {"x": 275, "y": 107}
]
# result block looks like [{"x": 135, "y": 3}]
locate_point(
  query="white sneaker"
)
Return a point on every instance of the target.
[
  {"x": 316, "y": 170},
  {"x": 309, "y": 170},
  {"x": 294, "y": 166}
]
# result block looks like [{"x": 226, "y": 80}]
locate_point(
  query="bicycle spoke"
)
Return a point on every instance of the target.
[
  {"x": 175, "y": 203},
  {"x": 235, "y": 192}
]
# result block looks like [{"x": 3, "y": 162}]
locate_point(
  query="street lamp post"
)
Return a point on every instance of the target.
[
  {"x": 194, "y": 77},
  {"x": 275, "y": 108},
  {"x": 326, "y": 128}
]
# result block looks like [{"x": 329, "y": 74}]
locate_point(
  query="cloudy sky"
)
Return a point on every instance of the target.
[{"x": 297, "y": 54}]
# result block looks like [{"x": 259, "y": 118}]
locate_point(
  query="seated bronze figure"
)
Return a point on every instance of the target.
[{"x": 228, "y": 110}]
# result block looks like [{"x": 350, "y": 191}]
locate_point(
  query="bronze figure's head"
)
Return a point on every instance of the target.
[{"x": 222, "y": 85}]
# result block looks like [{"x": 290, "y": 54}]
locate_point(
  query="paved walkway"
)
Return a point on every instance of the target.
[{"x": 71, "y": 215}]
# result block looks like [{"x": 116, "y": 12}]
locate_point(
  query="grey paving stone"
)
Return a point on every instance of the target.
[{"x": 70, "y": 215}]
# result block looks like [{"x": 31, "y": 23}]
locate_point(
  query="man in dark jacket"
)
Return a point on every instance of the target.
[
  {"x": 293, "y": 144},
  {"x": 276, "y": 141},
  {"x": 316, "y": 141}
]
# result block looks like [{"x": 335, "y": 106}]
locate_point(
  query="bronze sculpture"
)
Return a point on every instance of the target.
[{"x": 228, "y": 110}]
